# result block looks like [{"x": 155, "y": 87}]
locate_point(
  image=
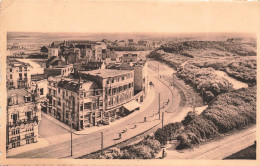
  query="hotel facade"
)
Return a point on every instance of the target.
[{"x": 94, "y": 97}]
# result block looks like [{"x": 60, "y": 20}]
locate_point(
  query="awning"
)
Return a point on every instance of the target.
[{"x": 131, "y": 105}]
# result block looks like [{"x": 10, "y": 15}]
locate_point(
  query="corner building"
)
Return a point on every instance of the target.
[
  {"x": 23, "y": 118},
  {"x": 74, "y": 101},
  {"x": 118, "y": 90}
]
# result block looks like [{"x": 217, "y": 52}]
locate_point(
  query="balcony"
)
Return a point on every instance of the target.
[
  {"x": 29, "y": 135},
  {"x": 24, "y": 121}
]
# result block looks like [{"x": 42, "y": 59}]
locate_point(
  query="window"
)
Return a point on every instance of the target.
[
  {"x": 18, "y": 144},
  {"x": 123, "y": 77},
  {"x": 13, "y": 132},
  {"x": 58, "y": 90},
  {"x": 13, "y": 145},
  {"x": 87, "y": 105},
  {"x": 107, "y": 81},
  {"x": 112, "y": 81},
  {"x": 28, "y": 114},
  {"x": 27, "y": 141},
  {"x": 17, "y": 131},
  {"x": 11, "y": 83},
  {"x": 81, "y": 107},
  {"x": 27, "y": 99},
  {"x": 25, "y": 68},
  {"x": 11, "y": 76},
  {"x": 25, "y": 75},
  {"x": 41, "y": 91},
  {"x": 20, "y": 76},
  {"x": 20, "y": 69},
  {"x": 11, "y": 70}
]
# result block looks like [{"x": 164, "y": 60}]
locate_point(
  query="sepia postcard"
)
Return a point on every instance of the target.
[{"x": 129, "y": 82}]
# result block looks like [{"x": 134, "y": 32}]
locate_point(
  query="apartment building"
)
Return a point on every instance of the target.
[
  {"x": 98, "y": 49},
  {"x": 74, "y": 101},
  {"x": 23, "y": 117},
  {"x": 18, "y": 75},
  {"x": 53, "y": 51},
  {"x": 118, "y": 91}
]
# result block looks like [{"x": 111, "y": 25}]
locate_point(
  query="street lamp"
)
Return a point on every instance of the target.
[
  {"x": 71, "y": 134},
  {"x": 159, "y": 106}
]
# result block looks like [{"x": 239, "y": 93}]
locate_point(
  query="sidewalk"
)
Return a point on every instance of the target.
[
  {"x": 65, "y": 126},
  {"x": 40, "y": 144}
]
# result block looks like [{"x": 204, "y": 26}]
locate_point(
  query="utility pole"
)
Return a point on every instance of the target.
[
  {"x": 194, "y": 93},
  {"x": 162, "y": 118},
  {"x": 159, "y": 107},
  {"x": 101, "y": 142},
  {"x": 71, "y": 135}
]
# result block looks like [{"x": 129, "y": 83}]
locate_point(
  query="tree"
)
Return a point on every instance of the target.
[{"x": 44, "y": 49}]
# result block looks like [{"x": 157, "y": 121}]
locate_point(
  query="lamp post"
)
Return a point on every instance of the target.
[
  {"x": 162, "y": 118},
  {"x": 194, "y": 93},
  {"x": 159, "y": 107},
  {"x": 71, "y": 134},
  {"x": 101, "y": 142}
]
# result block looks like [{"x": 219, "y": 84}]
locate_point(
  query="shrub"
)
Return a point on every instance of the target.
[
  {"x": 161, "y": 136},
  {"x": 138, "y": 151},
  {"x": 152, "y": 143},
  {"x": 168, "y": 132},
  {"x": 229, "y": 111},
  {"x": 188, "y": 118}
]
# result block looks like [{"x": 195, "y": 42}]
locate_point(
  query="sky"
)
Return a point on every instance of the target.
[{"x": 123, "y": 16}]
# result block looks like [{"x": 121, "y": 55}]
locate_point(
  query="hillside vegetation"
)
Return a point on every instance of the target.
[{"x": 228, "y": 112}]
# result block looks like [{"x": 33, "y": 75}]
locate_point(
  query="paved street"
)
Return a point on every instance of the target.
[{"x": 48, "y": 128}]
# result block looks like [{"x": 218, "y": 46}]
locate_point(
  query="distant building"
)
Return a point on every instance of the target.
[
  {"x": 98, "y": 49},
  {"x": 23, "y": 118},
  {"x": 121, "y": 43},
  {"x": 130, "y": 56},
  {"x": 18, "y": 75},
  {"x": 40, "y": 82},
  {"x": 64, "y": 70},
  {"x": 143, "y": 43},
  {"x": 53, "y": 51},
  {"x": 131, "y": 42}
]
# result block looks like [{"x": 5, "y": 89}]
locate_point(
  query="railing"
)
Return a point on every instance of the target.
[{"x": 24, "y": 121}]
